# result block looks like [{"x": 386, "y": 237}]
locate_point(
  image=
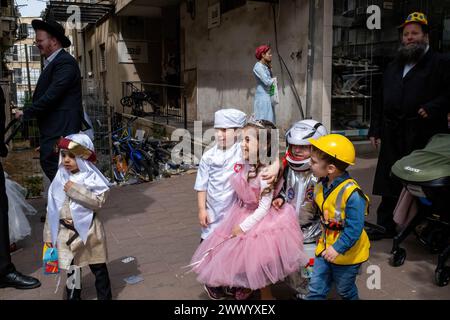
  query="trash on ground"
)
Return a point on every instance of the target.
[
  {"x": 128, "y": 259},
  {"x": 133, "y": 279}
]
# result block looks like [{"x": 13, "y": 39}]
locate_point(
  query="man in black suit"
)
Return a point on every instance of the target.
[
  {"x": 57, "y": 103},
  {"x": 9, "y": 277},
  {"x": 416, "y": 99}
]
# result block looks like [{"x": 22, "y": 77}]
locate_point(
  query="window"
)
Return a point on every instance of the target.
[
  {"x": 15, "y": 53},
  {"x": 17, "y": 75},
  {"x": 20, "y": 98},
  {"x": 34, "y": 75},
  {"x": 33, "y": 53},
  {"x": 31, "y": 32},
  {"x": 102, "y": 57},
  {"x": 91, "y": 61},
  {"x": 21, "y": 52}
]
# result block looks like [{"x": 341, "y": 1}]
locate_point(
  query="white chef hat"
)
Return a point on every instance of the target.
[{"x": 229, "y": 118}]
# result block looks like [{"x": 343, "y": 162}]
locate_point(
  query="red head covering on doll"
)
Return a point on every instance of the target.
[{"x": 261, "y": 50}]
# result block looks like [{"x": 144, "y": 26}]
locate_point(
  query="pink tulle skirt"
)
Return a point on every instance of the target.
[{"x": 264, "y": 255}]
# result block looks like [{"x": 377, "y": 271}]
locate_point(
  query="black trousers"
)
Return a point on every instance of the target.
[
  {"x": 5, "y": 258},
  {"x": 102, "y": 282},
  {"x": 385, "y": 213},
  {"x": 48, "y": 158}
]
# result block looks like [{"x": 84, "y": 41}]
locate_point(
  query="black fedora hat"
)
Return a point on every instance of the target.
[{"x": 53, "y": 28}]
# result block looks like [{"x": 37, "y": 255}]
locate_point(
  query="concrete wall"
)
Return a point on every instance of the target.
[
  {"x": 224, "y": 56},
  {"x": 107, "y": 33},
  {"x": 320, "y": 108}
]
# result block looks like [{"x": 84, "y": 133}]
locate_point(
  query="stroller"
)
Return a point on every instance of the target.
[{"x": 425, "y": 174}]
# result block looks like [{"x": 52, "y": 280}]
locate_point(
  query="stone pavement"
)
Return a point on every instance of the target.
[{"x": 157, "y": 224}]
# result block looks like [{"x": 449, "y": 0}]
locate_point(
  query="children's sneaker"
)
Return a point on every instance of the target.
[
  {"x": 214, "y": 293},
  {"x": 243, "y": 293}
]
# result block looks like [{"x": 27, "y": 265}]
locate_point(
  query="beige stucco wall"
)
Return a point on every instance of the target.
[
  {"x": 107, "y": 33},
  {"x": 224, "y": 57}
]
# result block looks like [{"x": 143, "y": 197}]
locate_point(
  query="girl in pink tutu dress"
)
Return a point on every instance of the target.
[{"x": 256, "y": 245}]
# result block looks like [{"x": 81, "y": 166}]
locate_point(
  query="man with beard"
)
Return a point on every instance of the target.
[{"x": 416, "y": 97}]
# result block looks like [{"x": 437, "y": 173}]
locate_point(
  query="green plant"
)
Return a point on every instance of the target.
[
  {"x": 34, "y": 185},
  {"x": 159, "y": 131}
]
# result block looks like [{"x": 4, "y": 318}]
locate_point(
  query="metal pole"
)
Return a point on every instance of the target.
[
  {"x": 28, "y": 70},
  {"x": 185, "y": 110},
  {"x": 310, "y": 64}
]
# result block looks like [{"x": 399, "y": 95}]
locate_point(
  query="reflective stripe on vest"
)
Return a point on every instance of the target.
[
  {"x": 340, "y": 200},
  {"x": 334, "y": 203}
]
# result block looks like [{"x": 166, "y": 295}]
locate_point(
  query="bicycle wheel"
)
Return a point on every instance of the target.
[
  {"x": 150, "y": 161},
  {"x": 141, "y": 167},
  {"x": 126, "y": 101}
]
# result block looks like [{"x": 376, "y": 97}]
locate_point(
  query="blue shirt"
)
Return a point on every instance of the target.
[{"x": 354, "y": 215}]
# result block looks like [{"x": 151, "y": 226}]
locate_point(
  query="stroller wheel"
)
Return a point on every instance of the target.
[
  {"x": 442, "y": 276},
  {"x": 398, "y": 257}
]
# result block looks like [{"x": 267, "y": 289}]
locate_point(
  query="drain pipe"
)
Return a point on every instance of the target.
[{"x": 311, "y": 52}]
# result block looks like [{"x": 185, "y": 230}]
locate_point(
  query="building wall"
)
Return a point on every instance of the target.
[
  {"x": 107, "y": 34},
  {"x": 223, "y": 57},
  {"x": 8, "y": 23},
  {"x": 17, "y": 61}
]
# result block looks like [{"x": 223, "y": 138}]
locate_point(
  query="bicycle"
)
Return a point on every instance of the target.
[
  {"x": 129, "y": 158},
  {"x": 136, "y": 101}
]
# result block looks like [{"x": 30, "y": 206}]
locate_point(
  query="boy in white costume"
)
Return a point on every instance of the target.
[{"x": 215, "y": 194}]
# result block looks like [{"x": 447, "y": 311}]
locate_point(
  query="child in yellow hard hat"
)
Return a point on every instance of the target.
[{"x": 343, "y": 245}]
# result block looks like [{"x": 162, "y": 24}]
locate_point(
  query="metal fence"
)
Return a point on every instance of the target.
[
  {"x": 102, "y": 118},
  {"x": 22, "y": 163},
  {"x": 161, "y": 102}
]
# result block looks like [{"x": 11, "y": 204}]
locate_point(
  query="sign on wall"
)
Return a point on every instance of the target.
[
  {"x": 132, "y": 51},
  {"x": 214, "y": 15}
]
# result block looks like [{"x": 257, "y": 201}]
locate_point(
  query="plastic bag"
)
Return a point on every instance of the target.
[
  {"x": 18, "y": 208},
  {"x": 50, "y": 260},
  {"x": 274, "y": 97}
]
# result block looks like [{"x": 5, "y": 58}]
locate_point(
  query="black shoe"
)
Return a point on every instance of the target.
[
  {"x": 19, "y": 281},
  {"x": 73, "y": 294}
]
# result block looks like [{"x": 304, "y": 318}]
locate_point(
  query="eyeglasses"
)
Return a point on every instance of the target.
[{"x": 35, "y": 42}]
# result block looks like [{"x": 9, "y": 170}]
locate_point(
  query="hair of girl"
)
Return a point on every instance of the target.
[{"x": 262, "y": 126}]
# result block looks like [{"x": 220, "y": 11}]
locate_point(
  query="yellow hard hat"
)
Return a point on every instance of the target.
[
  {"x": 417, "y": 17},
  {"x": 337, "y": 146}
]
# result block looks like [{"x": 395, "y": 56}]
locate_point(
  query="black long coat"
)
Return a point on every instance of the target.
[
  {"x": 5, "y": 259},
  {"x": 57, "y": 106},
  {"x": 398, "y": 124}
]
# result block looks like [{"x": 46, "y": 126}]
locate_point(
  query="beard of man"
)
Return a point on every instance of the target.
[{"x": 410, "y": 54}]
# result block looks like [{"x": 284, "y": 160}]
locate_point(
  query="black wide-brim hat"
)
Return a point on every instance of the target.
[{"x": 53, "y": 28}]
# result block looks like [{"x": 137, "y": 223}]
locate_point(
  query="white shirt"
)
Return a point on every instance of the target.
[
  {"x": 213, "y": 176},
  {"x": 409, "y": 66},
  {"x": 51, "y": 58}
]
